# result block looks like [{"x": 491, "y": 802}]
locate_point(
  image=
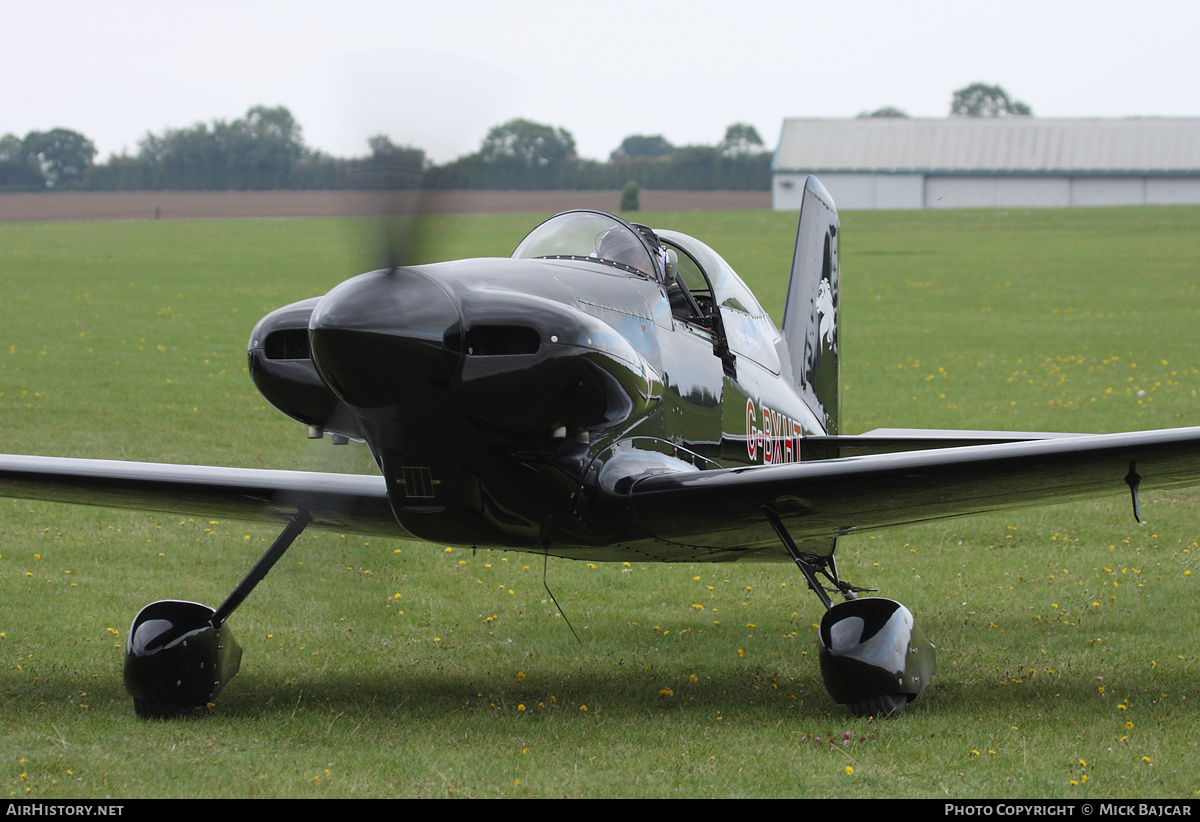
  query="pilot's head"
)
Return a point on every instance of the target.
[{"x": 620, "y": 245}]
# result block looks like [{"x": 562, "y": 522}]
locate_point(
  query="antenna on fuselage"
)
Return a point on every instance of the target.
[{"x": 546, "y": 585}]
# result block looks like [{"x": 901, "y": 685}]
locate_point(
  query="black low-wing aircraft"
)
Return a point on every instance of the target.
[{"x": 607, "y": 393}]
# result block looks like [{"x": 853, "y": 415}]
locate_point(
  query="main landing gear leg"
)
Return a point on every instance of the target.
[
  {"x": 874, "y": 659},
  {"x": 181, "y": 654}
]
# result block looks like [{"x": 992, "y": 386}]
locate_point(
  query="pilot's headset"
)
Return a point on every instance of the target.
[{"x": 671, "y": 266}]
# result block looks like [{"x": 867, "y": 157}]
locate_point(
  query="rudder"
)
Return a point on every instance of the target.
[{"x": 810, "y": 313}]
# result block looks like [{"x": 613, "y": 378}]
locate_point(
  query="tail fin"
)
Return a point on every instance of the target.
[{"x": 810, "y": 330}]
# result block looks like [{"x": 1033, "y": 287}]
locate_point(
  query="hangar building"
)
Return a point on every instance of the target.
[{"x": 977, "y": 162}]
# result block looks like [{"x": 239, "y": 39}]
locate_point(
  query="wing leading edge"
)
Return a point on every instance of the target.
[
  {"x": 828, "y": 498},
  {"x": 339, "y": 502}
]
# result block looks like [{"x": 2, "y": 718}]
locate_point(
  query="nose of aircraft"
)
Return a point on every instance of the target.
[{"x": 378, "y": 340}]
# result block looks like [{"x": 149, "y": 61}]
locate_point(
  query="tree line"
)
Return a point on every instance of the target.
[
  {"x": 975, "y": 100},
  {"x": 265, "y": 150}
]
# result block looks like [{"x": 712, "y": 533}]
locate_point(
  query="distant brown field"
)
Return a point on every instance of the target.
[{"x": 179, "y": 205}]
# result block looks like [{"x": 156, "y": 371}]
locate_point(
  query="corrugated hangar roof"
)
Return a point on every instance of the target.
[{"x": 973, "y": 144}]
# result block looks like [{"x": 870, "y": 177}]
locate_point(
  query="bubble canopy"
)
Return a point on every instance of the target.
[{"x": 589, "y": 235}]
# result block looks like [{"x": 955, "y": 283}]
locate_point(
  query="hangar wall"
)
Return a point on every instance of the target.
[
  {"x": 851, "y": 190},
  {"x": 873, "y": 190},
  {"x": 980, "y": 162}
]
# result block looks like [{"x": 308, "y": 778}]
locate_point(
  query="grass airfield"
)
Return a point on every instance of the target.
[{"x": 1068, "y": 659}]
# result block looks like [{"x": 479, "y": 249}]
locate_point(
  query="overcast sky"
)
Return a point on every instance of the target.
[{"x": 437, "y": 74}]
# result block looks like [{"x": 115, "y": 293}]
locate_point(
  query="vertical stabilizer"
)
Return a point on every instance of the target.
[{"x": 810, "y": 315}]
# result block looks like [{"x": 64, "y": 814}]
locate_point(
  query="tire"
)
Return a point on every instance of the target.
[
  {"x": 879, "y": 706},
  {"x": 159, "y": 710}
]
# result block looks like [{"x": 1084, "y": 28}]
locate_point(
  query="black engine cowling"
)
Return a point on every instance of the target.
[{"x": 283, "y": 370}]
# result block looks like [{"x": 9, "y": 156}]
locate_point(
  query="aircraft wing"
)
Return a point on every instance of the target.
[
  {"x": 826, "y": 498},
  {"x": 816, "y": 499},
  {"x": 339, "y": 502}
]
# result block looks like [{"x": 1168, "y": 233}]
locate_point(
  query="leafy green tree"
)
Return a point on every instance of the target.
[
  {"x": 188, "y": 159},
  {"x": 640, "y": 145},
  {"x": 741, "y": 140},
  {"x": 981, "y": 100},
  {"x": 531, "y": 144},
  {"x": 381, "y": 147},
  {"x": 629, "y": 197},
  {"x": 16, "y": 172},
  {"x": 119, "y": 173},
  {"x": 383, "y": 150},
  {"x": 62, "y": 155},
  {"x": 10, "y": 148},
  {"x": 390, "y": 165},
  {"x": 262, "y": 148},
  {"x": 525, "y": 154},
  {"x": 885, "y": 111},
  {"x": 275, "y": 126}
]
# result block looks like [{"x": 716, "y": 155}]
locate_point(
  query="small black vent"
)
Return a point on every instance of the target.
[
  {"x": 495, "y": 340},
  {"x": 287, "y": 344}
]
